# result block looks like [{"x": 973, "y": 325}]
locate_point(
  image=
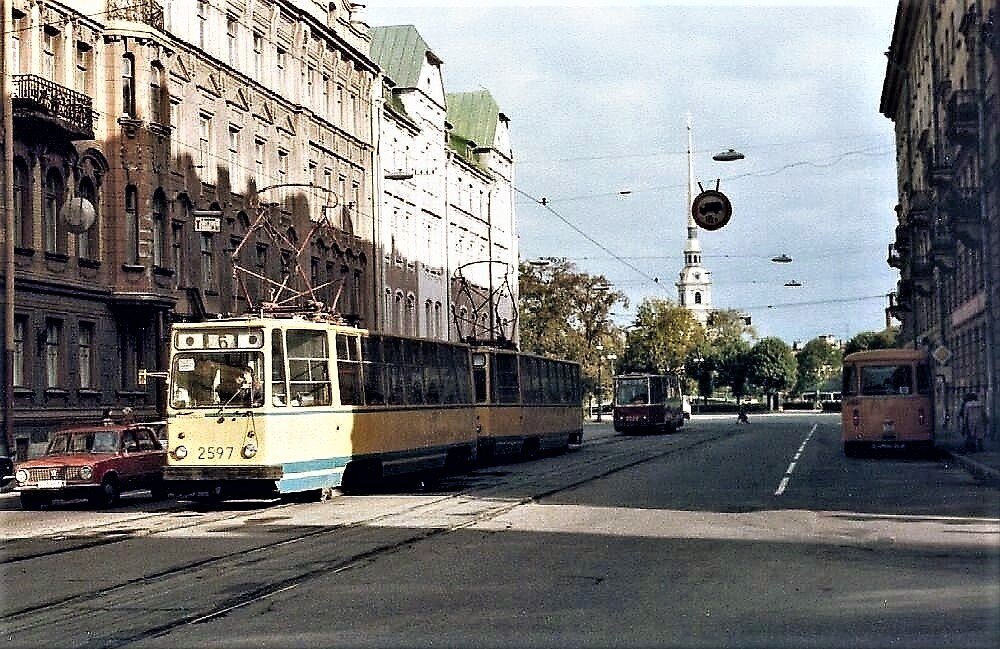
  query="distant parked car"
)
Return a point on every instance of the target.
[
  {"x": 94, "y": 462},
  {"x": 6, "y": 470}
]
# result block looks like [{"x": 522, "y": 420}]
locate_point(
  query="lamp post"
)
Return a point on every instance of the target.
[{"x": 600, "y": 349}]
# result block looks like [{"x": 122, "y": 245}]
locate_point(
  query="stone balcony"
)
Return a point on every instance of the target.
[{"x": 42, "y": 105}]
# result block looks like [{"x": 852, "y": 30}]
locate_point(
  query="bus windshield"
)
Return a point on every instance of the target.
[
  {"x": 217, "y": 379},
  {"x": 886, "y": 379},
  {"x": 632, "y": 391}
]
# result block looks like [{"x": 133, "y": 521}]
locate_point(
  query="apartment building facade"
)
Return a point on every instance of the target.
[
  {"x": 148, "y": 139},
  {"x": 942, "y": 91}
]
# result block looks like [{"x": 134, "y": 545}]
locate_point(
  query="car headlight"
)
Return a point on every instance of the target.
[
  {"x": 180, "y": 452},
  {"x": 86, "y": 473},
  {"x": 21, "y": 476},
  {"x": 249, "y": 450}
]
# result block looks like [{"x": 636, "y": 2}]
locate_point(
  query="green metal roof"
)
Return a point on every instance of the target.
[
  {"x": 473, "y": 116},
  {"x": 401, "y": 52}
]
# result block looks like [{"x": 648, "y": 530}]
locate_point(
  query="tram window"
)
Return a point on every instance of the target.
[
  {"x": 349, "y": 369},
  {"x": 505, "y": 373},
  {"x": 279, "y": 390},
  {"x": 308, "y": 367}
]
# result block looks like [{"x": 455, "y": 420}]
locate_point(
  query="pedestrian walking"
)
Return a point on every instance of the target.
[{"x": 972, "y": 418}]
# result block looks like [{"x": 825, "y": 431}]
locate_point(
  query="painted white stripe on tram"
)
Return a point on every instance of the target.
[{"x": 791, "y": 467}]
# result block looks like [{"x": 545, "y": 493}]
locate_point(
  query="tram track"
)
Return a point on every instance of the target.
[{"x": 214, "y": 585}]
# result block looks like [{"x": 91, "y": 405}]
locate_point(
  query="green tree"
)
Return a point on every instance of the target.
[
  {"x": 771, "y": 366},
  {"x": 732, "y": 365},
  {"x": 885, "y": 339},
  {"x": 565, "y": 313},
  {"x": 818, "y": 361},
  {"x": 661, "y": 339}
]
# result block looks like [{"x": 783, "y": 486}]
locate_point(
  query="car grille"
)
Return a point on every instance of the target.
[{"x": 54, "y": 473}]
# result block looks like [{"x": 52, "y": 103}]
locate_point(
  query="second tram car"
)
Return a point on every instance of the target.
[
  {"x": 648, "y": 403},
  {"x": 274, "y": 405}
]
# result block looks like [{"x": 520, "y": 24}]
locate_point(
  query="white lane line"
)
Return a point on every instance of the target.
[{"x": 791, "y": 467}]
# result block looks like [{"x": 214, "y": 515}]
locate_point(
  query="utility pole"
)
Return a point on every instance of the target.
[{"x": 7, "y": 207}]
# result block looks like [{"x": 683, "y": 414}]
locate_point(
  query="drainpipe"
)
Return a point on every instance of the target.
[
  {"x": 8, "y": 239},
  {"x": 985, "y": 253}
]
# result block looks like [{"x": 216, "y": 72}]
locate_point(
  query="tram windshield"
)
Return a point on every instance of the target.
[
  {"x": 217, "y": 379},
  {"x": 631, "y": 391}
]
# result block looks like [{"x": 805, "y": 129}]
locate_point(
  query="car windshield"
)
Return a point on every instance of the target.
[{"x": 85, "y": 441}]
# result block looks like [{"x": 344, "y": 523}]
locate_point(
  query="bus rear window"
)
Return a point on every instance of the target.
[{"x": 886, "y": 379}]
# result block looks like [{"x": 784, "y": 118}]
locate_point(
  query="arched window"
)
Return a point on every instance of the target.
[
  {"x": 400, "y": 321},
  {"x": 697, "y": 297},
  {"x": 22, "y": 204},
  {"x": 131, "y": 225},
  {"x": 410, "y": 327},
  {"x": 160, "y": 230},
  {"x": 128, "y": 85},
  {"x": 54, "y": 190},
  {"x": 86, "y": 241}
]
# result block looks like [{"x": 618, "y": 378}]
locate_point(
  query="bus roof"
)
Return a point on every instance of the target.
[{"x": 886, "y": 355}]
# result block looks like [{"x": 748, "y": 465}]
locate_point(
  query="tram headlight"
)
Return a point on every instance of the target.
[
  {"x": 249, "y": 450},
  {"x": 86, "y": 473},
  {"x": 180, "y": 452},
  {"x": 21, "y": 476}
]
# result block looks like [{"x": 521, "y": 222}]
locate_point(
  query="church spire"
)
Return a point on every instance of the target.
[{"x": 694, "y": 289}]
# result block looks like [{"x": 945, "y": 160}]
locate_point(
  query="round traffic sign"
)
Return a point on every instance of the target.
[{"x": 711, "y": 209}]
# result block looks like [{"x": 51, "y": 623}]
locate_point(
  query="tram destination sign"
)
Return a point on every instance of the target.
[{"x": 711, "y": 209}]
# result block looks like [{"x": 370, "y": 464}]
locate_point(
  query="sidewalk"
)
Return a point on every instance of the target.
[{"x": 984, "y": 465}]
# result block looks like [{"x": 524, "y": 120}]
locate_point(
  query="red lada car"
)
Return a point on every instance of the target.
[{"x": 94, "y": 462}]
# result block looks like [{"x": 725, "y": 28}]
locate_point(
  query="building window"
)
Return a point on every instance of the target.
[
  {"x": 131, "y": 225},
  {"x": 83, "y": 54},
  {"x": 53, "y": 202},
  {"x": 207, "y": 263},
  {"x": 202, "y": 22},
  {"x": 282, "y": 167},
  {"x": 258, "y": 55},
  {"x": 50, "y": 45},
  {"x": 159, "y": 98},
  {"x": 20, "y": 362},
  {"x": 258, "y": 164},
  {"x": 22, "y": 204},
  {"x": 86, "y": 241},
  {"x": 53, "y": 360},
  {"x": 204, "y": 142},
  {"x": 128, "y": 85},
  {"x": 177, "y": 243},
  {"x": 159, "y": 229},
  {"x": 85, "y": 356},
  {"x": 235, "y": 177},
  {"x": 231, "y": 33},
  {"x": 697, "y": 298}
]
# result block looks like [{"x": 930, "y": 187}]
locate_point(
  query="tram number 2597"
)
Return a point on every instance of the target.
[{"x": 215, "y": 452}]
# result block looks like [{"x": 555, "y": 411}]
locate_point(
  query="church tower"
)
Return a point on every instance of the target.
[{"x": 694, "y": 288}]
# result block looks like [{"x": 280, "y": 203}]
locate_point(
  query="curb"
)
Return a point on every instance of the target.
[{"x": 977, "y": 469}]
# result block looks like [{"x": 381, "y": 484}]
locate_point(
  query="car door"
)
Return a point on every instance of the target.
[{"x": 149, "y": 457}]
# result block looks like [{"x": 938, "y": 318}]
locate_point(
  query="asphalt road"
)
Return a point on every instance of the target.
[{"x": 722, "y": 535}]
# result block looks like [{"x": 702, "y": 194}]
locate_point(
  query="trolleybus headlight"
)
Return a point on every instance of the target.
[
  {"x": 21, "y": 476},
  {"x": 180, "y": 452},
  {"x": 921, "y": 417},
  {"x": 856, "y": 418},
  {"x": 86, "y": 473},
  {"x": 249, "y": 450}
]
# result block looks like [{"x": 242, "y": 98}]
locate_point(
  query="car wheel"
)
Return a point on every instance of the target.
[
  {"x": 33, "y": 501},
  {"x": 108, "y": 495}
]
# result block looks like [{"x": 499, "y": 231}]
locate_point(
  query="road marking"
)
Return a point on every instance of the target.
[{"x": 791, "y": 467}]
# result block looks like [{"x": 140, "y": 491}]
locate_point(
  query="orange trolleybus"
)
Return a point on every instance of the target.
[{"x": 887, "y": 400}]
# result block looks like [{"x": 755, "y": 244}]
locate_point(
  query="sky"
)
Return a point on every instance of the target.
[{"x": 598, "y": 96}]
